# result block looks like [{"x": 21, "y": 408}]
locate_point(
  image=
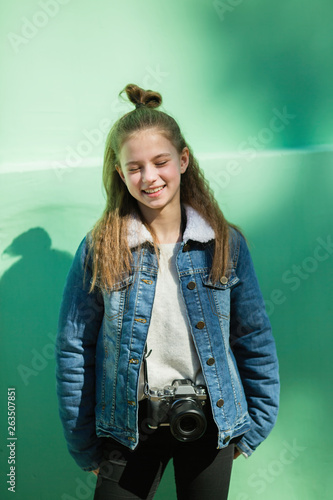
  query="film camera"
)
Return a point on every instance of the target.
[{"x": 180, "y": 405}]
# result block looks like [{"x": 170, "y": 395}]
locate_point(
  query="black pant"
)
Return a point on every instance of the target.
[{"x": 201, "y": 471}]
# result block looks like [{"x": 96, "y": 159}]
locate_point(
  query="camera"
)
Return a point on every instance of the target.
[{"x": 181, "y": 406}]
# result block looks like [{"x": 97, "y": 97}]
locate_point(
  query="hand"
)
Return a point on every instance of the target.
[
  {"x": 96, "y": 471},
  {"x": 237, "y": 453}
]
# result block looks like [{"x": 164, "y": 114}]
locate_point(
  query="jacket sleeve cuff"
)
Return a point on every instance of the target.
[
  {"x": 244, "y": 449},
  {"x": 88, "y": 460},
  {"x": 93, "y": 465}
]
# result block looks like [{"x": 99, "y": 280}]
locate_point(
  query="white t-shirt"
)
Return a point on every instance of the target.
[{"x": 173, "y": 354}]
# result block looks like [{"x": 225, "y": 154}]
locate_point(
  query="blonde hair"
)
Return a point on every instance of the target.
[{"x": 108, "y": 246}]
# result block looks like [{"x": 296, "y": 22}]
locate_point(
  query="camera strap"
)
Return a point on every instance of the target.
[{"x": 145, "y": 370}]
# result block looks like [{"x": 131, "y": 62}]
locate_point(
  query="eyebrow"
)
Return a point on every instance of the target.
[{"x": 155, "y": 158}]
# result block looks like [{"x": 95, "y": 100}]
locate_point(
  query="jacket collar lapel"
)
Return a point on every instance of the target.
[{"x": 197, "y": 229}]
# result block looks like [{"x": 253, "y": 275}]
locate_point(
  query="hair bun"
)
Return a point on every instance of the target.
[{"x": 141, "y": 97}]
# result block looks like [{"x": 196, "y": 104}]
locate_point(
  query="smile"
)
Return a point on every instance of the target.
[{"x": 151, "y": 191}]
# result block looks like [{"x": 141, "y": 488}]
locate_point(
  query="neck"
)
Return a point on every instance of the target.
[{"x": 167, "y": 225}]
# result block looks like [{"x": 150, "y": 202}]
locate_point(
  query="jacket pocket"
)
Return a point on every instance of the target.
[
  {"x": 116, "y": 299},
  {"x": 218, "y": 293}
]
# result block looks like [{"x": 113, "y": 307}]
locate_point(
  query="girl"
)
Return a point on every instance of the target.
[{"x": 164, "y": 347}]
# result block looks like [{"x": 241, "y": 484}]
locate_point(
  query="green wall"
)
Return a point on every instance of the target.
[{"x": 250, "y": 83}]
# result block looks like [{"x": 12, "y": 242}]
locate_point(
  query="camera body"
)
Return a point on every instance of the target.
[{"x": 180, "y": 406}]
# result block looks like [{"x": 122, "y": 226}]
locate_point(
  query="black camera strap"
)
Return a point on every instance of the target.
[{"x": 145, "y": 370}]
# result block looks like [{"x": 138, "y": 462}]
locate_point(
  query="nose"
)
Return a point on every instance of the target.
[{"x": 149, "y": 174}]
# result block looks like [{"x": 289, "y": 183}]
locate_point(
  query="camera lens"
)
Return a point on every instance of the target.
[
  {"x": 187, "y": 420},
  {"x": 187, "y": 424}
]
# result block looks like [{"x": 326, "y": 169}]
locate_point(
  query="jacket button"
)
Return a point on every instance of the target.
[
  {"x": 210, "y": 361},
  {"x": 200, "y": 325},
  {"x": 224, "y": 280},
  {"x": 220, "y": 403},
  {"x": 226, "y": 440},
  {"x": 191, "y": 285},
  {"x": 186, "y": 247}
]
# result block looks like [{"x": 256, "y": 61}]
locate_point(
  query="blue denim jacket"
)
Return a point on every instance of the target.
[{"x": 102, "y": 336}]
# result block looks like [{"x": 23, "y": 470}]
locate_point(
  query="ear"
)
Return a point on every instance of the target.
[
  {"x": 184, "y": 159},
  {"x": 120, "y": 172}
]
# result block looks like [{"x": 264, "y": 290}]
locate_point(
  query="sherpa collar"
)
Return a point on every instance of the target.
[{"x": 197, "y": 229}]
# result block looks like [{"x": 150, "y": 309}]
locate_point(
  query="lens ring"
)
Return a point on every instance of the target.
[
  {"x": 187, "y": 424},
  {"x": 187, "y": 421}
]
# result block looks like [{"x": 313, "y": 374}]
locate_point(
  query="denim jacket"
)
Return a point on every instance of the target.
[{"x": 102, "y": 336}]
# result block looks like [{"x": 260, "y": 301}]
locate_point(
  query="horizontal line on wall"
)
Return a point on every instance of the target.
[
  {"x": 11, "y": 167},
  {"x": 324, "y": 148}
]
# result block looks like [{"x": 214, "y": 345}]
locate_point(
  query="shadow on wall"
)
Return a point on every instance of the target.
[{"x": 31, "y": 292}]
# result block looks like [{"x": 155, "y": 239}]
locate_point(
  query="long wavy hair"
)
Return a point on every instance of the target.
[{"x": 108, "y": 247}]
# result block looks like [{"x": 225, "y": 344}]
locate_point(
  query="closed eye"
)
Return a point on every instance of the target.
[{"x": 160, "y": 164}]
